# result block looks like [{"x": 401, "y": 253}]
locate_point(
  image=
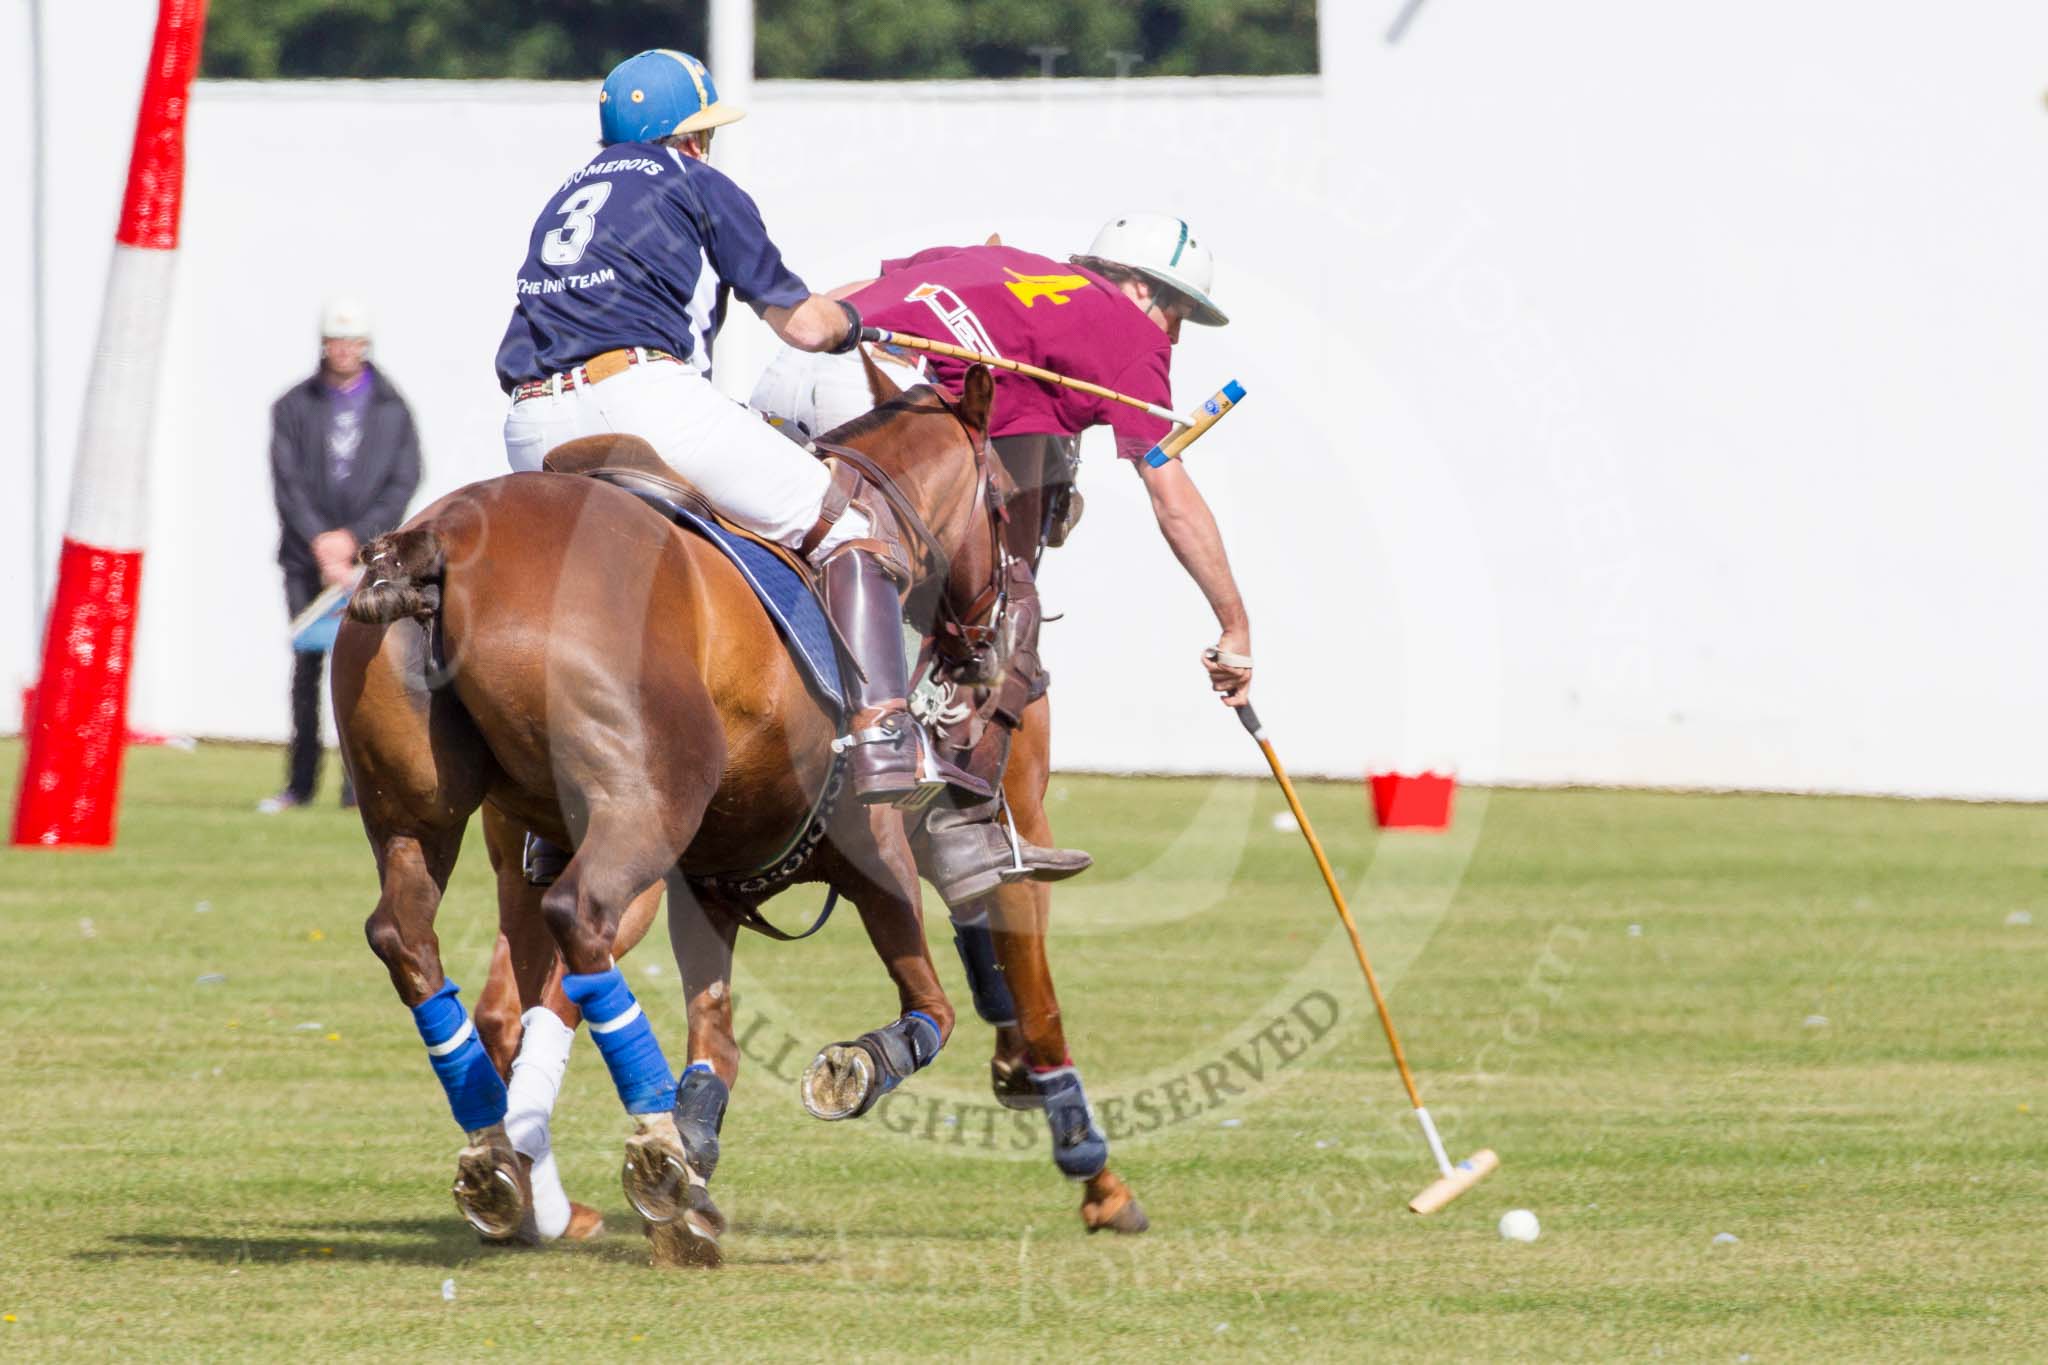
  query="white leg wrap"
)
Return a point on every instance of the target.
[{"x": 529, "y": 1102}]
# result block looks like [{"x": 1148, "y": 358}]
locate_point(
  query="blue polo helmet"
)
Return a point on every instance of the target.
[{"x": 658, "y": 94}]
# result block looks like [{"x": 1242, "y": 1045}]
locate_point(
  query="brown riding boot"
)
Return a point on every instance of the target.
[
  {"x": 892, "y": 761},
  {"x": 971, "y": 852}
]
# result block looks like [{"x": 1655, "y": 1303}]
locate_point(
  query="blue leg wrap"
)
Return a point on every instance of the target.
[
  {"x": 625, "y": 1038},
  {"x": 977, "y": 945},
  {"x": 924, "y": 1042},
  {"x": 476, "y": 1095},
  {"x": 700, "y": 1113},
  {"x": 1078, "y": 1147},
  {"x": 903, "y": 1048}
]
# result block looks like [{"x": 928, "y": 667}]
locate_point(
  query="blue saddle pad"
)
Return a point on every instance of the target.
[{"x": 790, "y": 604}]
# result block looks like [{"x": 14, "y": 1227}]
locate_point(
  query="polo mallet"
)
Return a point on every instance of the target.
[{"x": 1455, "y": 1180}]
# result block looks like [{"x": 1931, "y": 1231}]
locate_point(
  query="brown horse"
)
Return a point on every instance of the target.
[
  {"x": 1030, "y": 1052},
  {"x": 554, "y": 648}
]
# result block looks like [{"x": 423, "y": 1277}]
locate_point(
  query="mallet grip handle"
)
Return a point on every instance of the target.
[{"x": 1222, "y": 401}]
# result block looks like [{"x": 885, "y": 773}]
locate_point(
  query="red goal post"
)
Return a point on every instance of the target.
[{"x": 77, "y": 727}]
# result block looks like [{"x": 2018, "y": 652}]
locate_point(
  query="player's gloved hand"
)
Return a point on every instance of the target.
[{"x": 853, "y": 328}]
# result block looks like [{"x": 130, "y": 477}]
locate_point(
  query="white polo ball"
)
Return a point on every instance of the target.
[{"x": 1520, "y": 1225}]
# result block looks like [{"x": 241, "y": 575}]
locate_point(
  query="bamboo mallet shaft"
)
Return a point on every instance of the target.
[
  {"x": 1315, "y": 846},
  {"x": 884, "y": 337},
  {"x": 1453, "y": 1180}
]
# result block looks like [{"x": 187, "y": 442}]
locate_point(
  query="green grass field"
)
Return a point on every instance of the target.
[{"x": 1804, "y": 1022}]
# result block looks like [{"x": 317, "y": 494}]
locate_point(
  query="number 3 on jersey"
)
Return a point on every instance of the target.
[{"x": 566, "y": 244}]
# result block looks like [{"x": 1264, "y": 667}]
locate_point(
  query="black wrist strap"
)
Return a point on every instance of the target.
[{"x": 853, "y": 328}]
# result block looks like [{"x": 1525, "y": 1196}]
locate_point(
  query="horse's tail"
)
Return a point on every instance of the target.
[{"x": 403, "y": 577}]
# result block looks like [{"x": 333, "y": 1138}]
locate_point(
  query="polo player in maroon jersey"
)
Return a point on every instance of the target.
[{"x": 1110, "y": 316}]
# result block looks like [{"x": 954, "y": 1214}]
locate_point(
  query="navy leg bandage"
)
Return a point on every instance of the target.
[
  {"x": 626, "y": 1040},
  {"x": 1078, "y": 1147},
  {"x": 903, "y": 1048},
  {"x": 700, "y": 1113},
  {"x": 476, "y": 1095},
  {"x": 977, "y": 945}
]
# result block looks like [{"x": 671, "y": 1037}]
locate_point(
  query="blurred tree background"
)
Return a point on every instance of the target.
[{"x": 837, "y": 39}]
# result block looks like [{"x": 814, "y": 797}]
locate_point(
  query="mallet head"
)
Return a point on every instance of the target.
[{"x": 1463, "y": 1177}]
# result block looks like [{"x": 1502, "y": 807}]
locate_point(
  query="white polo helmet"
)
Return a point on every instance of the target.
[
  {"x": 344, "y": 317},
  {"x": 1164, "y": 248}
]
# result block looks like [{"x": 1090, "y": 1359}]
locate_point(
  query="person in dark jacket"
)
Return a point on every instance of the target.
[{"x": 344, "y": 462}]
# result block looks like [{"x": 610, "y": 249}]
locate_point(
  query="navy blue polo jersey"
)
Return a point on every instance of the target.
[{"x": 641, "y": 247}]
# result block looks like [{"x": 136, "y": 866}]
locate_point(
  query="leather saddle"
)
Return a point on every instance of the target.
[
  {"x": 630, "y": 463},
  {"x": 782, "y": 582}
]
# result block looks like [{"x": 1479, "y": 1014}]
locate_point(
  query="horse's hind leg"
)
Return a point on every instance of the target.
[
  {"x": 420, "y": 769},
  {"x": 874, "y": 866},
  {"x": 490, "y": 1187},
  {"x": 702, "y": 936},
  {"x": 627, "y": 847}
]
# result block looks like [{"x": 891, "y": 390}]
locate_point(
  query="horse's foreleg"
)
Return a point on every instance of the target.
[
  {"x": 528, "y": 1026},
  {"x": 1017, "y": 918},
  {"x": 875, "y": 868}
]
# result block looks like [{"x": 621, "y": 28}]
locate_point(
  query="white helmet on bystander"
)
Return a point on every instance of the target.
[{"x": 344, "y": 317}]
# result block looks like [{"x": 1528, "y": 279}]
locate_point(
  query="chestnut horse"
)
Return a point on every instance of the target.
[
  {"x": 552, "y": 647},
  {"x": 1029, "y": 1037}
]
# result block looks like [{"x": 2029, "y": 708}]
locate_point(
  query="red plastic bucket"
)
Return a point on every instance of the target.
[{"x": 1412, "y": 801}]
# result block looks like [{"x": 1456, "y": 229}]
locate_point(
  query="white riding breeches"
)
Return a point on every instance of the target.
[
  {"x": 749, "y": 472},
  {"x": 813, "y": 393}
]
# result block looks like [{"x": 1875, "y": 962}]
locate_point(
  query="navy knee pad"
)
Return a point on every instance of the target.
[
  {"x": 1078, "y": 1147},
  {"x": 977, "y": 945},
  {"x": 700, "y": 1114}
]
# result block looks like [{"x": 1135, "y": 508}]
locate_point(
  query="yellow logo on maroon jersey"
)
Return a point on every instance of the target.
[{"x": 1029, "y": 289}]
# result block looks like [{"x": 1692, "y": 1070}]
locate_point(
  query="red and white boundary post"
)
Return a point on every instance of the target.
[{"x": 71, "y": 780}]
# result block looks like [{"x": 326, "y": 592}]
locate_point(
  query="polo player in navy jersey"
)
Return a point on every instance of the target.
[{"x": 628, "y": 273}]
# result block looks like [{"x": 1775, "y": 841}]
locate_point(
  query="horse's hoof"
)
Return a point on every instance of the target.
[
  {"x": 490, "y": 1188},
  {"x": 656, "y": 1176},
  {"x": 692, "y": 1240},
  {"x": 842, "y": 1082},
  {"x": 684, "y": 1244},
  {"x": 1118, "y": 1212},
  {"x": 586, "y": 1224},
  {"x": 1010, "y": 1079}
]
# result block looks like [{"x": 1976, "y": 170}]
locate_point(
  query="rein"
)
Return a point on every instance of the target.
[
  {"x": 954, "y": 624},
  {"x": 898, "y": 501}
]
